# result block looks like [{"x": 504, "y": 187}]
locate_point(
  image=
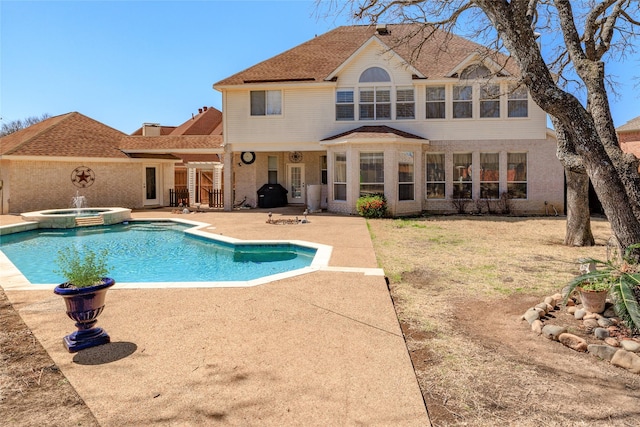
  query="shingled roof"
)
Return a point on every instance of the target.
[
  {"x": 67, "y": 135},
  {"x": 374, "y": 132},
  {"x": 317, "y": 59}
]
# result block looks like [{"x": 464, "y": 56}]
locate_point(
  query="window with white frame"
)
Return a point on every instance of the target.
[
  {"x": 374, "y": 100},
  {"x": 323, "y": 169},
  {"x": 518, "y": 102},
  {"x": 375, "y": 103},
  {"x": 266, "y": 102},
  {"x": 489, "y": 101},
  {"x": 489, "y": 175},
  {"x": 462, "y": 182},
  {"x": 435, "y": 176},
  {"x": 517, "y": 175},
  {"x": 405, "y": 103},
  {"x": 344, "y": 104},
  {"x": 272, "y": 168},
  {"x": 371, "y": 173},
  {"x": 405, "y": 175},
  {"x": 435, "y": 108},
  {"x": 463, "y": 102},
  {"x": 340, "y": 176}
]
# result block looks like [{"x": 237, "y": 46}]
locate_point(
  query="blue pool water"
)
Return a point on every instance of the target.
[{"x": 152, "y": 252}]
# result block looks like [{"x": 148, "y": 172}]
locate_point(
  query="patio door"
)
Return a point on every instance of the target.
[
  {"x": 151, "y": 185},
  {"x": 295, "y": 183}
]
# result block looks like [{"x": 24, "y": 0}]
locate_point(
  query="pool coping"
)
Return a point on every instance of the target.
[{"x": 13, "y": 279}]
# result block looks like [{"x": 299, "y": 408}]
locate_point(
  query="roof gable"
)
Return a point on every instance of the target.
[
  {"x": 318, "y": 59},
  {"x": 67, "y": 135},
  {"x": 631, "y": 126}
]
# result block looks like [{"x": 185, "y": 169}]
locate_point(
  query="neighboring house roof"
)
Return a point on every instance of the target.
[
  {"x": 373, "y": 133},
  {"x": 317, "y": 59},
  {"x": 67, "y": 135},
  {"x": 201, "y": 133},
  {"x": 631, "y": 126},
  {"x": 164, "y": 130}
]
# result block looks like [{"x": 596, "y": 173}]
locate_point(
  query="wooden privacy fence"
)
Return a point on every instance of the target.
[{"x": 215, "y": 198}]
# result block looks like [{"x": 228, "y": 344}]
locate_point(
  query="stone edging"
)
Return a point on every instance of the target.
[{"x": 616, "y": 348}]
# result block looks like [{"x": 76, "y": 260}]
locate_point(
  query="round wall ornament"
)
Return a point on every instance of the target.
[
  {"x": 83, "y": 177},
  {"x": 295, "y": 156},
  {"x": 248, "y": 157}
]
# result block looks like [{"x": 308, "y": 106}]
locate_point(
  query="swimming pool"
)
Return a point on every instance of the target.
[{"x": 154, "y": 251}]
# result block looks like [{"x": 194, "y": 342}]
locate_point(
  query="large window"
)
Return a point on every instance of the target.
[
  {"x": 462, "y": 185},
  {"x": 405, "y": 175},
  {"x": 518, "y": 102},
  {"x": 272, "y": 168},
  {"x": 462, "y": 102},
  {"x": 344, "y": 104},
  {"x": 371, "y": 173},
  {"x": 340, "y": 176},
  {"x": 435, "y": 176},
  {"x": 266, "y": 102},
  {"x": 435, "y": 102},
  {"x": 375, "y": 103},
  {"x": 517, "y": 175},
  {"x": 489, "y": 175},
  {"x": 405, "y": 104},
  {"x": 489, "y": 101}
]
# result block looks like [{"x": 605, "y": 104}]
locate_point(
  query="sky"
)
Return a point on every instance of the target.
[{"x": 125, "y": 63}]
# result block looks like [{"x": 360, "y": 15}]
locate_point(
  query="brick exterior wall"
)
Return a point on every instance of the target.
[
  {"x": 39, "y": 185},
  {"x": 629, "y": 136}
]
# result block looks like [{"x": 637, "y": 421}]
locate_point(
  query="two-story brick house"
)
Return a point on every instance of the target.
[{"x": 359, "y": 110}]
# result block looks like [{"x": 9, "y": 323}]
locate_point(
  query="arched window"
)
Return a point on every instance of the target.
[
  {"x": 373, "y": 75},
  {"x": 475, "y": 71}
]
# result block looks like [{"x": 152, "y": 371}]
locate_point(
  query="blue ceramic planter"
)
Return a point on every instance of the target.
[{"x": 84, "y": 305}]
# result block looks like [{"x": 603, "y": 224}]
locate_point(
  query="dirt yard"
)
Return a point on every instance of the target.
[{"x": 460, "y": 285}]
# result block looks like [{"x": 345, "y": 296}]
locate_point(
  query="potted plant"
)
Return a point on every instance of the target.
[
  {"x": 84, "y": 294},
  {"x": 617, "y": 278}
]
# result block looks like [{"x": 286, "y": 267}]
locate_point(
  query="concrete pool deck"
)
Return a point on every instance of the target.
[{"x": 324, "y": 348}]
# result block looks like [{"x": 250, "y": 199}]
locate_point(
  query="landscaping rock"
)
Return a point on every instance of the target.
[
  {"x": 601, "y": 333},
  {"x": 590, "y": 325},
  {"x": 604, "y": 322},
  {"x": 573, "y": 342},
  {"x": 627, "y": 360},
  {"x": 630, "y": 345},
  {"x": 551, "y": 301},
  {"x": 612, "y": 342},
  {"x": 609, "y": 312},
  {"x": 542, "y": 306},
  {"x": 536, "y": 326},
  {"x": 531, "y": 315},
  {"x": 572, "y": 310},
  {"x": 553, "y": 331},
  {"x": 579, "y": 313},
  {"x": 604, "y": 352}
]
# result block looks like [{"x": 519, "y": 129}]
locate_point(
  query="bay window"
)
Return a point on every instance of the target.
[
  {"x": 405, "y": 176},
  {"x": 371, "y": 173}
]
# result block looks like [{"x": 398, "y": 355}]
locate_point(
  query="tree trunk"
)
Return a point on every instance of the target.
[{"x": 578, "y": 215}]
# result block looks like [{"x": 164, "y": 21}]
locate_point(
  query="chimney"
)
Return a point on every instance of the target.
[
  {"x": 199, "y": 110},
  {"x": 151, "y": 129}
]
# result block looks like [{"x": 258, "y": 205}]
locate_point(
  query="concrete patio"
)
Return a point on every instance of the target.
[{"x": 324, "y": 348}]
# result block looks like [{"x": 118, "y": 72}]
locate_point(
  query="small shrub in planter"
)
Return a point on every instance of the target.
[{"x": 374, "y": 206}]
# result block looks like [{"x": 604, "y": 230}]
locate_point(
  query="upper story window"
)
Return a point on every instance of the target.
[
  {"x": 475, "y": 71},
  {"x": 518, "y": 102},
  {"x": 463, "y": 102},
  {"x": 405, "y": 103},
  {"x": 374, "y": 75},
  {"x": 344, "y": 104},
  {"x": 266, "y": 102},
  {"x": 375, "y": 103},
  {"x": 435, "y": 102},
  {"x": 489, "y": 100}
]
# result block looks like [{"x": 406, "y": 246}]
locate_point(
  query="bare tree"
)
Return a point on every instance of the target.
[
  {"x": 16, "y": 125},
  {"x": 596, "y": 31}
]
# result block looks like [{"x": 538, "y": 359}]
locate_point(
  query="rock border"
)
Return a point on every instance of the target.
[{"x": 617, "y": 348}]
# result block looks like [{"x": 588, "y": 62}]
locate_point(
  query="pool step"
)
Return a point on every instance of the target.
[{"x": 86, "y": 221}]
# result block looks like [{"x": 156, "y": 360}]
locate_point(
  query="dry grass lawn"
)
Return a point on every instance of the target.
[{"x": 460, "y": 285}]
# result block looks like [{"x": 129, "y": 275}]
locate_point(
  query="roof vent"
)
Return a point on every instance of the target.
[
  {"x": 205, "y": 108},
  {"x": 382, "y": 29}
]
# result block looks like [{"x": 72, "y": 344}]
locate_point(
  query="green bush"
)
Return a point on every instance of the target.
[{"x": 374, "y": 206}]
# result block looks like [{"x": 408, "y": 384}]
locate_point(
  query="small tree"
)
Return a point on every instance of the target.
[{"x": 16, "y": 125}]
